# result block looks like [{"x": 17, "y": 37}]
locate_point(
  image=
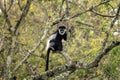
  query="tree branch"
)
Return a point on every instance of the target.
[
  {"x": 57, "y": 71},
  {"x": 103, "y": 53},
  {"x": 23, "y": 15},
  {"x": 67, "y": 8},
  {"x": 101, "y": 14},
  {"x": 86, "y": 24},
  {"x": 111, "y": 26},
  {"x": 31, "y": 51},
  {"x": 6, "y": 17},
  {"x": 60, "y": 13},
  {"x": 92, "y": 7},
  {"x": 78, "y": 14},
  {"x": 116, "y": 17},
  {"x": 76, "y": 65}
]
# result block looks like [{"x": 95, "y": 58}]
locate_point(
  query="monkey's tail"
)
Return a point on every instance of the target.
[{"x": 47, "y": 59}]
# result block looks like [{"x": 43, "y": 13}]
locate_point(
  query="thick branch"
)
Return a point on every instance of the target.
[
  {"x": 106, "y": 50},
  {"x": 76, "y": 65},
  {"x": 56, "y": 71},
  {"x": 111, "y": 26},
  {"x": 63, "y": 76},
  {"x": 103, "y": 53}
]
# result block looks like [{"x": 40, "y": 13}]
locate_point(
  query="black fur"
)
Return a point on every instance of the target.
[{"x": 55, "y": 43}]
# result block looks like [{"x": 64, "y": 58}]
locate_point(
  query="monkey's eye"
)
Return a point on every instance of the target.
[{"x": 62, "y": 30}]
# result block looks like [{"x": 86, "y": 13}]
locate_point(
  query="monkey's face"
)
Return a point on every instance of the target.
[{"x": 62, "y": 30}]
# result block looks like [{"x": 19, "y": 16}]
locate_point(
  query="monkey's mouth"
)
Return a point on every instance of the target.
[{"x": 62, "y": 31}]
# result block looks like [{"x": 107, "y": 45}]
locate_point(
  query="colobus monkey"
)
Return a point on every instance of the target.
[{"x": 55, "y": 42}]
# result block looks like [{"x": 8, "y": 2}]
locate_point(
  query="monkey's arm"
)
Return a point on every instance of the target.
[{"x": 65, "y": 37}]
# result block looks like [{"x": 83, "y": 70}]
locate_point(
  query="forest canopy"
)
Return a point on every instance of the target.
[{"x": 92, "y": 49}]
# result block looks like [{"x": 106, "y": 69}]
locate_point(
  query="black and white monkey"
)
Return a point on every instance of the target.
[{"x": 54, "y": 42}]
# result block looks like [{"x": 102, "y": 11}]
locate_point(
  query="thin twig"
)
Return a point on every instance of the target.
[
  {"x": 101, "y": 14},
  {"x": 11, "y": 3},
  {"x": 60, "y": 13},
  {"x": 6, "y": 17}
]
